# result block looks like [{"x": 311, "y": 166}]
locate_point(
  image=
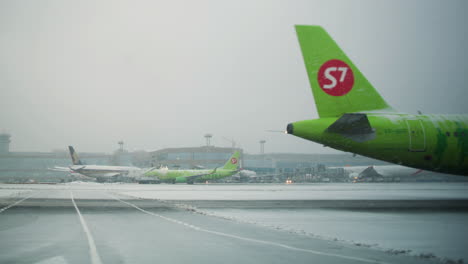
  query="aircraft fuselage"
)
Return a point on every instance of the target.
[{"x": 429, "y": 142}]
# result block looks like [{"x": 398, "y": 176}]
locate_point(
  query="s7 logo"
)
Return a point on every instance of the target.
[
  {"x": 335, "y": 77},
  {"x": 332, "y": 78}
]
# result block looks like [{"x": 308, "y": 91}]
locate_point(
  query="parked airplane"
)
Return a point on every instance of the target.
[
  {"x": 353, "y": 116},
  {"x": 383, "y": 172},
  {"x": 247, "y": 173},
  {"x": 189, "y": 176},
  {"x": 74, "y": 176},
  {"x": 100, "y": 172}
]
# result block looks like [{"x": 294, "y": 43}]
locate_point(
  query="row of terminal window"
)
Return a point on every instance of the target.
[{"x": 456, "y": 134}]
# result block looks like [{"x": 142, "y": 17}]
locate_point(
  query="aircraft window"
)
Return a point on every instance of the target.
[
  {"x": 462, "y": 134},
  {"x": 455, "y": 134},
  {"x": 447, "y": 133}
]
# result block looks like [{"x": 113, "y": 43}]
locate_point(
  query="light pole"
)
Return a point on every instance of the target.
[
  {"x": 208, "y": 139},
  {"x": 262, "y": 146}
]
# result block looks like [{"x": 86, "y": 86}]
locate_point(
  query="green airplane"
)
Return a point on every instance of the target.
[
  {"x": 230, "y": 168},
  {"x": 353, "y": 117}
]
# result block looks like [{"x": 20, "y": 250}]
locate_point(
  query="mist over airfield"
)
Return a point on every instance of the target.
[{"x": 162, "y": 74}]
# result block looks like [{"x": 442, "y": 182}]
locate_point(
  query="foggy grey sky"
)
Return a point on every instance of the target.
[{"x": 162, "y": 74}]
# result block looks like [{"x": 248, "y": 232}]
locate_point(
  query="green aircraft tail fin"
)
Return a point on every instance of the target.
[
  {"x": 337, "y": 84},
  {"x": 233, "y": 162}
]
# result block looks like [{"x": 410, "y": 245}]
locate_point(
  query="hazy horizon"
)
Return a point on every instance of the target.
[{"x": 163, "y": 74}]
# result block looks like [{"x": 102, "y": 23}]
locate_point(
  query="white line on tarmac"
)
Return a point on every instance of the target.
[
  {"x": 315, "y": 252},
  {"x": 15, "y": 203},
  {"x": 95, "y": 259}
]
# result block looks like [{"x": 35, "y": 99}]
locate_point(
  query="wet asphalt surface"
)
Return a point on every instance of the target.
[{"x": 68, "y": 224}]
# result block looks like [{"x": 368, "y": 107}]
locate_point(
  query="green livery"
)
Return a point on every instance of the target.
[
  {"x": 230, "y": 168},
  {"x": 355, "y": 118}
]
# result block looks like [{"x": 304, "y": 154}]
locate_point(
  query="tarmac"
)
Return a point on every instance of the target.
[{"x": 130, "y": 223}]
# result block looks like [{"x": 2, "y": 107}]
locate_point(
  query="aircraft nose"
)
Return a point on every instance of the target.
[{"x": 290, "y": 128}]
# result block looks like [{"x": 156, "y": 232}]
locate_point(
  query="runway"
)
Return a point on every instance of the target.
[{"x": 128, "y": 223}]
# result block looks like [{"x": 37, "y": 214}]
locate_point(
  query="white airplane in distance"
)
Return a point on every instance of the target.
[
  {"x": 100, "y": 171},
  {"x": 247, "y": 173},
  {"x": 384, "y": 171}
]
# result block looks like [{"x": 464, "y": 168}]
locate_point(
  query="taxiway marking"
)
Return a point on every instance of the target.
[
  {"x": 258, "y": 241},
  {"x": 95, "y": 259},
  {"x": 13, "y": 204}
]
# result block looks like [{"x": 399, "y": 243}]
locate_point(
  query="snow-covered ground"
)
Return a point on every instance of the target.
[
  {"x": 441, "y": 233},
  {"x": 401, "y": 191}
]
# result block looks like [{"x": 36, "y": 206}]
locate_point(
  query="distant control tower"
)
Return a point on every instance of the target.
[{"x": 4, "y": 143}]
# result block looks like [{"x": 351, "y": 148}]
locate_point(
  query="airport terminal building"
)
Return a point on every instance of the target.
[
  {"x": 30, "y": 167},
  {"x": 36, "y": 166},
  {"x": 269, "y": 167}
]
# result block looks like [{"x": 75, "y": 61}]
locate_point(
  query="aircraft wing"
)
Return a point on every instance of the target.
[
  {"x": 109, "y": 174},
  {"x": 57, "y": 168},
  {"x": 193, "y": 177},
  {"x": 146, "y": 170}
]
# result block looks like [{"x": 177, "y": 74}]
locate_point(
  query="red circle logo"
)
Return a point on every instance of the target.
[
  {"x": 335, "y": 77},
  {"x": 234, "y": 161}
]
